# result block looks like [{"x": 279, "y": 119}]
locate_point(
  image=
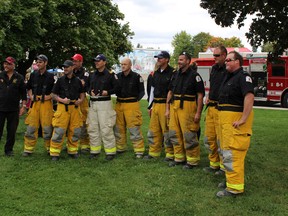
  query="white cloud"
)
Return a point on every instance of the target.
[{"x": 156, "y": 22}]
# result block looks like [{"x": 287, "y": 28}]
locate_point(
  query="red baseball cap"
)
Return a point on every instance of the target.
[
  {"x": 10, "y": 60},
  {"x": 77, "y": 57}
]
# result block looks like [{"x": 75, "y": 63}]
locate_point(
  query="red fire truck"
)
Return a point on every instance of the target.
[{"x": 270, "y": 81}]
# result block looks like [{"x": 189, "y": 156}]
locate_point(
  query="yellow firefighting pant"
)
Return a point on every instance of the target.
[
  {"x": 234, "y": 144},
  {"x": 183, "y": 132},
  {"x": 211, "y": 138},
  {"x": 84, "y": 138},
  {"x": 66, "y": 118},
  {"x": 39, "y": 114},
  {"x": 129, "y": 116},
  {"x": 158, "y": 132},
  {"x": 101, "y": 120}
]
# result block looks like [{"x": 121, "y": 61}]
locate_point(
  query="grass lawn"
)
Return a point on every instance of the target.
[{"x": 126, "y": 186}]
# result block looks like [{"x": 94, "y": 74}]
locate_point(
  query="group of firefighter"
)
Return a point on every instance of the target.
[{"x": 175, "y": 99}]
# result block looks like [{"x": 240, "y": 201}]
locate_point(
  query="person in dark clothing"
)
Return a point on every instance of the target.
[{"x": 12, "y": 90}]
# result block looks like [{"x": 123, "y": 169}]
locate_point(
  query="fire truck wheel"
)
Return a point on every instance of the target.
[{"x": 285, "y": 101}]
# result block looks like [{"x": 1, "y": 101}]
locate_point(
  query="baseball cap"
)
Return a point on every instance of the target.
[
  {"x": 188, "y": 56},
  {"x": 77, "y": 57},
  {"x": 163, "y": 54},
  {"x": 10, "y": 60},
  {"x": 42, "y": 57},
  {"x": 100, "y": 57},
  {"x": 67, "y": 63}
]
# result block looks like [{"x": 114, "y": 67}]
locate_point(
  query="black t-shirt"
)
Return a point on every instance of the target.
[
  {"x": 41, "y": 82},
  {"x": 234, "y": 87},
  {"x": 216, "y": 78},
  {"x": 70, "y": 88},
  {"x": 104, "y": 80},
  {"x": 161, "y": 80},
  {"x": 131, "y": 85},
  {"x": 11, "y": 91},
  {"x": 187, "y": 83},
  {"x": 82, "y": 74}
]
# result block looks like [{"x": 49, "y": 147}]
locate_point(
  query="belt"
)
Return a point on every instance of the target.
[
  {"x": 128, "y": 100},
  {"x": 185, "y": 98},
  {"x": 71, "y": 103},
  {"x": 230, "y": 108},
  {"x": 101, "y": 98},
  {"x": 159, "y": 100}
]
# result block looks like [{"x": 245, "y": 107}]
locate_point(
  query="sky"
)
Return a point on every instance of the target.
[{"x": 155, "y": 22}]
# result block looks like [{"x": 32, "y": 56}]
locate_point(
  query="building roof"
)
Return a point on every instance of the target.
[{"x": 229, "y": 49}]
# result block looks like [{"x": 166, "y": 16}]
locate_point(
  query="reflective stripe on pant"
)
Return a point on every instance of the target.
[
  {"x": 129, "y": 117},
  {"x": 40, "y": 113},
  {"x": 101, "y": 120},
  {"x": 234, "y": 144},
  {"x": 63, "y": 121},
  {"x": 211, "y": 138},
  {"x": 84, "y": 138},
  {"x": 183, "y": 132},
  {"x": 158, "y": 132}
]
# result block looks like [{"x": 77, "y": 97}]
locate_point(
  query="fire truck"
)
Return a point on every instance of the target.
[{"x": 269, "y": 75}]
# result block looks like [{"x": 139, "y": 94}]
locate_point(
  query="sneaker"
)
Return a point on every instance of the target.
[
  {"x": 222, "y": 185},
  {"x": 210, "y": 170},
  {"x": 73, "y": 156},
  {"x": 26, "y": 154},
  {"x": 175, "y": 163},
  {"x": 109, "y": 157},
  {"x": 189, "y": 166},
  {"x": 54, "y": 158},
  {"x": 219, "y": 173},
  {"x": 167, "y": 159},
  {"x": 148, "y": 157},
  {"x": 225, "y": 193},
  {"x": 9, "y": 153},
  {"x": 138, "y": 156},
  {"x": 92, "y": 156}
]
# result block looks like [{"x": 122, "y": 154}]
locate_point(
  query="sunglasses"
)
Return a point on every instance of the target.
[
  {"x": 216, "y": 55},
  {"x": 229, "y": 60}
]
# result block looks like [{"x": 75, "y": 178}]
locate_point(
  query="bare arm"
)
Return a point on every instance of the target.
[
  {"x": 248, "y": 106},
  {"x": 169, "y": 97},
  {"x": 199, "y": 107}
]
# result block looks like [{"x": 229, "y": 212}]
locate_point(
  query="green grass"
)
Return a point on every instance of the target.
[{"x": 126, "y": 186}]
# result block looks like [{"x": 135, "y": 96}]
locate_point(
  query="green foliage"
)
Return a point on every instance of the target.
[
  {"x": 200, "y": 42},
  {"x": 269, "y": 25},
  {"x": 60, "y": 28},
  {"x": 267, "y": 47},
  {"x": 126, "y": 186}
]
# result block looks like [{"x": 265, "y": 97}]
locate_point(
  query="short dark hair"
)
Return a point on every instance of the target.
[
  {"x": 237, "y": 56},
  {"x": 222, "y": 49}
]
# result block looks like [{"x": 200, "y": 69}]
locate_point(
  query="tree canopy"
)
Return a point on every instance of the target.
[
  {"x": 269, "y": 25},
  {"x": 60, "y": 28}
]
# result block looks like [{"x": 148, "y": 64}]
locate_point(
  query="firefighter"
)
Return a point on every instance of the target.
[
  {"x": 186, "y": 91},
  {"x": 83, "y": 75},
  {"x": 69, "y": 93},
  {"x": 101, "y": 115},
  {"x": 39, "y": 88},
  {"x": 235, "y": 107},
  {"x": 12, "y": 90},
  {"x": 129, "y": 115},
  {"x": 211, "y": 138},
  {"x": 158, "y": 132}
]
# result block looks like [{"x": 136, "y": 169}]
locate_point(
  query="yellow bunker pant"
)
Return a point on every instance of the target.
[
  {"x": 234, "y": 144},
  {"x": 101, "y": 120},
  {"x": 158, "y": 132},
  {"x": 211, "y": 138},
  {"x": 84, "y": 138},
  {"x": 129, "y": 116},
  {"x": 183, "y": 132},
  {"x": 67, "y": 118},
  {"x": 39, "y": 114}
]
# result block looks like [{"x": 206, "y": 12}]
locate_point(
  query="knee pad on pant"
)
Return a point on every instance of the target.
[{"x": 58, "y": 134}]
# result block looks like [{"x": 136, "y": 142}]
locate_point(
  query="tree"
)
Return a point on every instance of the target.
[
  {"x": 59, "y": 28},
  {"x": 267, "y": 47},
  {"x": 200, "y": 42},
  {"x": 270, "y": 24},
  {"x": 181, "y": 42}
]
